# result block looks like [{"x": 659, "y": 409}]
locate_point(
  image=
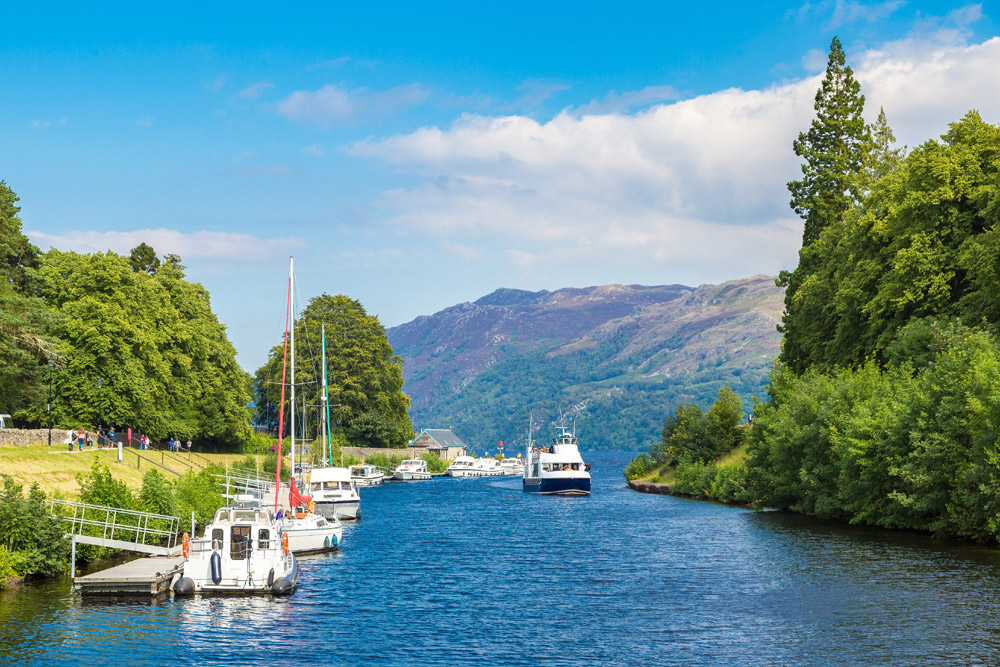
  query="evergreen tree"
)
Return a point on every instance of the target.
[
  {"x": 143, "y": 258},
  {"x": 833, "y": 149}
]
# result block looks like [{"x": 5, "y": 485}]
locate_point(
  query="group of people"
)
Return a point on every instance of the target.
[{"x": 175, "y": 445}]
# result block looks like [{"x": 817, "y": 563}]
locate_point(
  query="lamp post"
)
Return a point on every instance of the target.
[
  {"x": 52, "y": 360},
  {"x": 99, "y": 394}
]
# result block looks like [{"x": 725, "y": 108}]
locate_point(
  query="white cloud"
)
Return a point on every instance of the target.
[
  {"x": 145, "y": 121},
  {"x": 215, "y": 84},
  {"x": 315, "y": 149},
  {"x": 202, "y": 246},
  {"x": 254, "y": 90},
  {"x": 46, "y": 124},
  {"x": 335, "y": 105},
  {"x": 847, "y": 11},
  {"x": 261, "y": 171},
  {"x": 698, "y": 183},
  {"x": 614, "y": 102}
]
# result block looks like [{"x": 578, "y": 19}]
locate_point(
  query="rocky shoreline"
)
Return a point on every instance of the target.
[{"x": 643, "y": 486}]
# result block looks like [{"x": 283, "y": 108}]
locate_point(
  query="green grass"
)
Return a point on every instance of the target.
[{"x": 667, "y": 474}]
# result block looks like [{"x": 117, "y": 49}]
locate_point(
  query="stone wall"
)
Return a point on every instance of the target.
[
  {"x": 22, "y": 437},
  {"x": 408, "y": 452}
]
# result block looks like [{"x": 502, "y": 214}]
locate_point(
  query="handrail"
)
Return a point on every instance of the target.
[
  {"x": 146, "y": 458},
  {"x": 115, "y": 523}
]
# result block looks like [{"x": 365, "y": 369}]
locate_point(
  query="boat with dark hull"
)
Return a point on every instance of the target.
[{"x": 557, "y": 469}]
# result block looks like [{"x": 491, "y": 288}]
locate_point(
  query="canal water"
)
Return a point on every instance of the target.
[{"x": 474, "y": 572}]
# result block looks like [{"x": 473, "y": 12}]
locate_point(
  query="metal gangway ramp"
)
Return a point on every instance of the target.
[{"x": 117, "y": 528}]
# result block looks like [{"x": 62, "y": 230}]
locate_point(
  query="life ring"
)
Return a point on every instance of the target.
[
  {"x": 284, "y": 542},
  {"x": 312, "y": 507},
  {"x": 185, "y": 549}
]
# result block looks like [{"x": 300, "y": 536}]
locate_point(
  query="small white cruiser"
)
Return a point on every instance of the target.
[
  {"x": 334, "y": 493},
  {"x": 411, "y": 470},
  {"x": 513, "y": 466},
  {"x": 463, "y": 466},
  {"x": 558, "y": 469},
  {"x": 489, "y": 466},
  {"x": 366, "y": 475},
  {"x": 244, "y": 550}
]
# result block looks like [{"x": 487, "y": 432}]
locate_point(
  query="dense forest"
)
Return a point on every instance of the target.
[
  {"x": 884, "y": 408},
  {"x": 126, "y": 341}
]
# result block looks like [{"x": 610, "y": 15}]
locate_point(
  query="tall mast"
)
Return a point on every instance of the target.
[
  {"x": 281, "y": 405},
  {"x": 325, "y": 398},
  {"x": 291, "y": 290}
]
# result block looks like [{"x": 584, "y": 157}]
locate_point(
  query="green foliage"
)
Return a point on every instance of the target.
[
  {"x": 434, "y": 464},
  {"x": 638, "y": 467},
  {"x": 385, "y": 461},
  {"x": 692, "y": 435},
  {"x": 143, "y": 258},
  {"x": 200, "y": 493},
  {"x": 900, "y": 448},
  {"x": 834, "y": 150},
  {"x": 156, "y": 496},
  {"x": 31, "y": 540},
  {"x": 365, "y": 376}
]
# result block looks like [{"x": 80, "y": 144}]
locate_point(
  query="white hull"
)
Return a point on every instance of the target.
[
  {"x": 368, "y": 481},
  {"x": 411, "y": 476},
  {"x": 341, "y": 509},
  {"x": 465, "y": 472},
  {"x": 313, "y": 534}
]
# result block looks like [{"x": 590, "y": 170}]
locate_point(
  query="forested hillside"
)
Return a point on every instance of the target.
[
  {"x": 614, "y": 358},
  {"x": 126, "y": 341}
]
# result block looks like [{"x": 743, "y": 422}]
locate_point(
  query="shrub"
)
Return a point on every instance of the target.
[{"x": 638, "y": 467}]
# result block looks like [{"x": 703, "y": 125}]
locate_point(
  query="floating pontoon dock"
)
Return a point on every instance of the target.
[{"x": 143, "y": 576}]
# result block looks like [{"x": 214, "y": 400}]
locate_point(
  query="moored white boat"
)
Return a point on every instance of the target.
[
  {"x": 411, "y": 470},
  {"x": 244, "y": 550},
  {"x": 366, "y": 475},
  {"x": 463, "y": 466},
  {"x": 334, "y": 493},
  {"x": 558, "y": 469},
  {"x": 513, "y": 466},
  {"x": 310, "y": 533},
  {"x": 488, "y": 466}
]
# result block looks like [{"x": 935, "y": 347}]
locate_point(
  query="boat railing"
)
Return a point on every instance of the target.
[{"x": 204, "y": 546}]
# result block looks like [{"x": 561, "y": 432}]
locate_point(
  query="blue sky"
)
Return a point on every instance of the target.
[{"x": 418, "y": 155}]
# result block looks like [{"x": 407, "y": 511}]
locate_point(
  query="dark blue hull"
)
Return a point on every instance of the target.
[{"x": 576, "y": 486}]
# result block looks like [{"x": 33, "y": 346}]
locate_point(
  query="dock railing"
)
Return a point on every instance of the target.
[{"x": 117, "y": 528}]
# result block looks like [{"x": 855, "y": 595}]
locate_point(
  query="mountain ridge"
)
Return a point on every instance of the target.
[{"x": 475, "y": 364}]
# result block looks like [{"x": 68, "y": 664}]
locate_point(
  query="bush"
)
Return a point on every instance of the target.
[
  {"x": 434, "y": 464},
  {"x": 638, "y": 467},
  {"x": 32, "y": 539},
  {"x": 694, "y": 478}
]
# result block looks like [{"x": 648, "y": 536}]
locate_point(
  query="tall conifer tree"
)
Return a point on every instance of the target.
[{"x": 833, "y": 149}]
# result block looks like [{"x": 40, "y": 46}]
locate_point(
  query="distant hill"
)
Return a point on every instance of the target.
[{"x": 615, "y": 358}]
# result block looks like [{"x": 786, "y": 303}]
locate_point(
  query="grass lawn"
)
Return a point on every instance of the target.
[
  {"x": 667, "y": 474},
  {"x": 55, "y": 469}
]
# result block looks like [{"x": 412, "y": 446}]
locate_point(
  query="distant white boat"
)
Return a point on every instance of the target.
[
  {"x": 464, "y": 466},
  {"x": 334, "y": 493},
  {"x": 513, "y": 466},
  {"x": 411, "y": 470},
  {"x": 366, "y": 475},
  {"x": 558, "y": 469},
  {"x": 488, "y": 467},
  {"x": 310, "y": 533},
  {"x": 244, "y": 550}
]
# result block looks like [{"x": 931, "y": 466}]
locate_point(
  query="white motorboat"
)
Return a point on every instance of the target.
[
  {"x": 488, "y": 466},
  {"x": 334, "y": 493},
  {"x": 244, "y": 550},
  {"x": 513, "y": 466},
  {"x": 464, "y": 466},
  {"x": 558, "y": 469},
  {"x": 411, "y": 470},
  {"x": 366, "y": 475},
  {"x": 310, "y": 533}
]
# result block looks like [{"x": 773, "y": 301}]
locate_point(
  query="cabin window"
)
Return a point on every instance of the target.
[
  {"x": 264, "y": 539},
  {"x": 575, "y": 466},
  {"x": 346, "y": 486},
  {"x": 217, "y": 535},
  {"x": 239, "y": 545}
]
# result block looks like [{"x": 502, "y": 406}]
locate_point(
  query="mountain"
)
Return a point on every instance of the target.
[{"x": 616, "y": 358}]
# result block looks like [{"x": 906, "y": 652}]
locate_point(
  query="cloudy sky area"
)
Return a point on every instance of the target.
[{"x": 418, "y": 157}]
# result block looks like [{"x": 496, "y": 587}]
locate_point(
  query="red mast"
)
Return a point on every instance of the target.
[{"x": 281, "y": 405}]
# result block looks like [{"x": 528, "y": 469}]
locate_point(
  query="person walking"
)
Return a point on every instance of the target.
[
  {"x": 189, "y": 446},
  {"x": 81, "y": 437}
]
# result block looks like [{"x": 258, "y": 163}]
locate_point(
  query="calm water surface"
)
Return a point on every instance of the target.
[{"x": 462, "y": 572}]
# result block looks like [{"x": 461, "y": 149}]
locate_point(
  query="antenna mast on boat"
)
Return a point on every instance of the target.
[
  {"x": 281, "y": 405},
  {"x": 291, "y": 290},
  {"x": 325, "y": 402}
]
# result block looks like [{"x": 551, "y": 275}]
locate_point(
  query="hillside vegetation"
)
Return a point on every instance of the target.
[{"x": 613, "y": 358}]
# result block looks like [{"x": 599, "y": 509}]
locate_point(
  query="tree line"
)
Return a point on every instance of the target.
[{"x": 884, "y": 406}]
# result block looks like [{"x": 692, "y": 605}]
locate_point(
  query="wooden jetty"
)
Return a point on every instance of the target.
[{"x": 144, "y": 576}]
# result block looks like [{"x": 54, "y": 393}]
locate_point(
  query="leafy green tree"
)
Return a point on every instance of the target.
[
  {"x": 722, "y": 422},
  {"x": 33, "y": 541},
  {"x": 365, "y": 376},
  {"x": 143, "y": 258},
  {"x": 833, "y": 149}
]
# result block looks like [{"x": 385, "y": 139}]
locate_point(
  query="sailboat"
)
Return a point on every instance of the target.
[
  {"x": 334, "y": 492},
  {"x": 307, "y": 531}
]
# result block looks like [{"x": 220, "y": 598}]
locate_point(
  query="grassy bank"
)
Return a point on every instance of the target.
[
  {"x": 723, "y": 479},
  {"x": 55, "y": 469}
]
